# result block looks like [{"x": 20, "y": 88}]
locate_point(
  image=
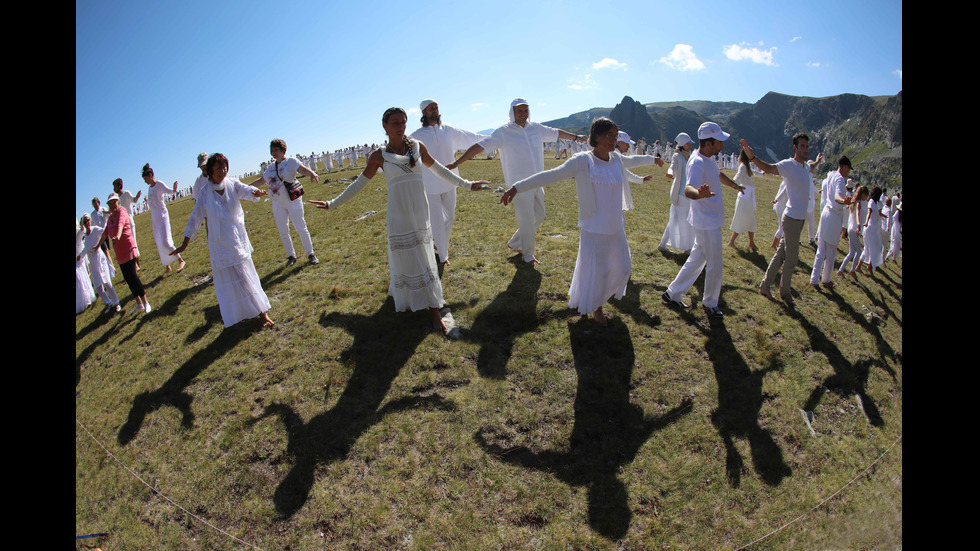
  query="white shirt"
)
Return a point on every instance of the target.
[
  {"x": 707, "y": 213},
  {"x": 521, "y": 148},
  {"x": 836, "y": 185},
  {"x": 228, "y": 243},
  {"x": 156, "y": 196},
  {"x": 798, "y": 187},
  {"x": 287, "y": 171},
  {"x": 442, "y": 141}
]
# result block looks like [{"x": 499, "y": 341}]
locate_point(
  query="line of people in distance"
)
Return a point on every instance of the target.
[{"x": 421, "y": 175}]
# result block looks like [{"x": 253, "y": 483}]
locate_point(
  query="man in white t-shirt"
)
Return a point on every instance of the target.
[
  {"x": 828, "y": 231},
  {"x": 521, "y": 144},
  {"x": 796, "y": 174},
  {"x": 707, "y": 216},
  {"x": 442, "y": 141}
]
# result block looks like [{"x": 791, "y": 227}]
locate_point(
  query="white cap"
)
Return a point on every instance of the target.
[
  {"x": 711, "y": 130},
  {"x": 425, "y": 103},
  {"x": 624, "y": 137},
  {"x": 682, "y": 139}
]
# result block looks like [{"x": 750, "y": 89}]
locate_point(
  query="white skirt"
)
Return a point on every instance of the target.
[
  {"x": 239, "y": 292},
  {"x": 84, "y": 293},
  {"x": 160, "y": 220},
  {"x": 602, "y": 270},
  {"x": 744, "y": 218}
]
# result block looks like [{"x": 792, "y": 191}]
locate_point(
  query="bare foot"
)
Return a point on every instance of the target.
[
  {"x": 167, "y": 271},
  {"x": 181, "y": 266},
  {"x": 437, "y": 322},
  {"x": 600, "y": 317},
  {"x": 266, "y": 321},
  {"x": 534, "y": 262}
]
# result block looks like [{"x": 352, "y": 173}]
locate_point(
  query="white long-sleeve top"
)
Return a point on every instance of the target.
[
  {"x": 442, "y": 141},
  {"x": 228, "y": 242},
  {"x": 577, "y": 167},
  {"x": 521, "y": 148}
]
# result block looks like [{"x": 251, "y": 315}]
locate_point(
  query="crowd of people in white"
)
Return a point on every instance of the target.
[{"x": 422, "y": 179}]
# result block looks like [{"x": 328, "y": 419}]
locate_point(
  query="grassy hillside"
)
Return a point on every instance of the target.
[{"x": 350, "y": 426}]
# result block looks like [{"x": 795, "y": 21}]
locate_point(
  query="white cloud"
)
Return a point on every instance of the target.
[
  {"x": 795, "y": 38},
  {"x": 898, "y": 73},
  {"x": 609, "y": 63},
  {"x": 682, "y": 58},
  {"x": 813, "y": 64},
  {"x": 585, "y": 84},
  {"x": 739, "y": 52},
  {"x": 477, "y": 106}
]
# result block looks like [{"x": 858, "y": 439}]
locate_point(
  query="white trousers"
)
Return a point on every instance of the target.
[
  {"x": 442, "y": 214},
  {"x": 706, "y": 256},
  {"x": 292, "y": 211},
  {"x": 529, "y": 209}
]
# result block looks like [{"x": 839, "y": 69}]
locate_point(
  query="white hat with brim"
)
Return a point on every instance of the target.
[{"x": 712, "y": 130}]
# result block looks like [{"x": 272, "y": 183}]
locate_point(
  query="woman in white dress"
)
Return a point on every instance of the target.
[
  {"x": 236, "y": 283},
  {"x": 415, "y": 283},
  {"x": 679, "y": 233},
  {"x": 160, "y": 217},
  {"x": 895, "y": 230},
  {"x": 857, "y": 212},
  {"x": 84, "y": 294},
  {"x": 872, "y": 255},
  {"x": 100, "y": 265},
  {"x": 743, "y": 220},
  {"x": 603, "y": 265}
]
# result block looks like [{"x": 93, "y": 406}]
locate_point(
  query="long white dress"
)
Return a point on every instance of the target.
[
  {"x": 160, "y": 220},
  {"x": 101, "y": 268},
  {"x": 236, "y": 283},
  {"x": 679, "y": 233},
  {"x": 872, "y": 236},
  {"x": 415, "y": 280},
  {"x": 84, "y": 294},
  {"x": 604, "y": 264},
  {"x": 743, "y": 220}
]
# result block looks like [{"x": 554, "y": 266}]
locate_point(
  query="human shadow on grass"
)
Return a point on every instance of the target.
[
  {"x": 740, "y": 399},
  {"x": 608, "y": 430},
  {"x": 511, "y": 314},
  {"x": 849, "y": 379},
  {"x": 383, "y": 343},
  {"x": 172, "y": 392}
]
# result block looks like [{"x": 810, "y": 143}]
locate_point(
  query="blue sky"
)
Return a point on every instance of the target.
[{"x": 160, "y": 82}]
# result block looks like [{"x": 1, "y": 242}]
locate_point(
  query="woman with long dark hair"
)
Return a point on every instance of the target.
[{"x": 414, "y": 283}]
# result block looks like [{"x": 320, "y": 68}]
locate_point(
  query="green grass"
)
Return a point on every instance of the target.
[{"x": 350, "y": 426}]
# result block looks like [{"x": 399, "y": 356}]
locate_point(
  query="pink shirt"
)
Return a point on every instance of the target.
[{"x": 125, "y": 246}]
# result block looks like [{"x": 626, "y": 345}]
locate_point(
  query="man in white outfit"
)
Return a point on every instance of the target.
[
  {"x": 442, "y": 141},
  {"x": 521, "y": 144},
  {"x": 707, "y": 216},
  {"x": 828, "y": 232}
]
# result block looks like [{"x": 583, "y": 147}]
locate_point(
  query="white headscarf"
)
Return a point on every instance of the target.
[{"x": 513, "y": 104}]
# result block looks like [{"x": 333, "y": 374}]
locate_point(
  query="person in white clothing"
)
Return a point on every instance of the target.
[
  {"x": 603, "y": 265},
  {"x": 796, "y": 177},
  {"x": 679, "y": 233},
  {"x": 856, "y": 213},
  {"x": 743, "y": 220},
  {"x": 442, "y": 141},
  {"x": 99, "y": 265},
  {"x": 236, "y": 283},
  {"x": 829, "y": 229},
  {"x": 280, "y": 175},
  {"x": 156, "y": 197},
  {"x": 707, "y": 216},
  {"x": 414, "y": 283},
  {"x": 521, "y": 144}
]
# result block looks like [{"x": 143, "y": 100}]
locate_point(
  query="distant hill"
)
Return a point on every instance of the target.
[{"x": 866, "y": 129}]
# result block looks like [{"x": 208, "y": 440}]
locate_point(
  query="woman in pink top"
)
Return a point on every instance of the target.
[{"x": 118, "y": 229}]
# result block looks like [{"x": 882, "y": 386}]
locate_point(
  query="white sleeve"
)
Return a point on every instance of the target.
[{"x": 352, "y": 190}]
